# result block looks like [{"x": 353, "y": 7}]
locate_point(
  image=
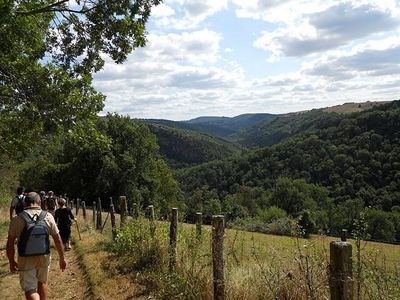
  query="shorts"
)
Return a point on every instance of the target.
[
  {"x": 29, "y": 279},
  {"x": 33, "y": 269}
]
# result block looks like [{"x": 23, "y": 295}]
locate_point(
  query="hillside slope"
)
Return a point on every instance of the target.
[
  {"x": 182, "y": 148},
  {"x": 274, "y": 130},
  {"x": 354, "y": 157}
]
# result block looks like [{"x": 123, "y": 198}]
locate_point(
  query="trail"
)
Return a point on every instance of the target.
[{"x": 69, "y": 284}]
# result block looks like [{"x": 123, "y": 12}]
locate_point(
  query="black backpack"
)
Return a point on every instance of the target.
[
  {"x": 34, "y": 239},
  {"x": 20, "y": 204},
  {"x": 51, "y": 203}
]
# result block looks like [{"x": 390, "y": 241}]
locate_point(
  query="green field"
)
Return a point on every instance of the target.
[{"x": 258, "y": 266}]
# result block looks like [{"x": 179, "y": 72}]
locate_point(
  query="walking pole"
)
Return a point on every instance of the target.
[
  {"x": 104, "y": 224},
  {"x": 77, "y": 227}
]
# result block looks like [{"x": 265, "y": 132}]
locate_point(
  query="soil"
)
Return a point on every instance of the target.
[{"x": 69, "y": 284}]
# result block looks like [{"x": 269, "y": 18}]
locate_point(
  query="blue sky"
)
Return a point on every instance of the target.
[{"x": 229, "y": 57}]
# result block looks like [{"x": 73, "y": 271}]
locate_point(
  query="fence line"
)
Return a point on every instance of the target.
[{"x": 340, "y": 266}]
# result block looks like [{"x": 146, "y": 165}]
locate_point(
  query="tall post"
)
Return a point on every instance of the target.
[
  {"x": 99, "y": 218},
  {"x": 94, "y": 213},
  {"x": 173, "y": 229},
  {"x": 77, "y": 206},
  {"x": 84, "y": 210},
  {"x": 151, "y": 218},
  {"x": 123, "y": 206},
  {"x": 112, "y": 214},
  {"x": 341, "y": 272},
  {"x": 135, "y": 210},
  {"x": 199, "y": 222},
  {"x": 218, "y": 256}
]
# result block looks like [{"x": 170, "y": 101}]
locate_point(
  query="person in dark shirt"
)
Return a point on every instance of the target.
[
  {"x": 64, "y": 218},
  {"x": 42, "y": 195}
]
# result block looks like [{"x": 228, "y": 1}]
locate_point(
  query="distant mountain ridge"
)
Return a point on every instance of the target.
[
  {"x": 222, "y": 127},
  {"x": 206, "y": 138}
]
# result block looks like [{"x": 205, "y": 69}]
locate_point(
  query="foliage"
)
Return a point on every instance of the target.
[
  {"x": 48, "y": 52},
  {"x": 116, "y": 157},
  {"x": 335, "y": 167},
  {"x": 134, "y": 245},
  {"x": 223, "y": 127},
  {"x": 183, "y": 148}
]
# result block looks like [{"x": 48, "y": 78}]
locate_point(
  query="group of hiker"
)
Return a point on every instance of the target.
[{"x": 37, "y": 216}]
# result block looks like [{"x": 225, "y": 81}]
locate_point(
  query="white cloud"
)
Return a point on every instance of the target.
[
  {"x": 162, "y": 11},
  {"x": 189, "y": 14},
  {"x": 333, "y": 27},
  {"x": 344, "y": 51},
  {"x": 371, "y": 59}
]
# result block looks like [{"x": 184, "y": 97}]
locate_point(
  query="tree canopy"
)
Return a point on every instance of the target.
[{"x": 48, "y": 53}]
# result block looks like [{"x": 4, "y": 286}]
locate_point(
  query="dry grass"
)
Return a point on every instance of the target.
[
  {"x": 258, "y": 266},
  {"x": 352, "y": 107},
  {"x": 104, "y": 278}
]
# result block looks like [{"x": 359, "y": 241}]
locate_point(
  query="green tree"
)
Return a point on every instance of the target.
[
  {"x": 48, "y": 52},
  {"x": 380, "y": 225}
]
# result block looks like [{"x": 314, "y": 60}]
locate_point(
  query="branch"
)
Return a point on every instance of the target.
[{"x": 43, "y": 9}]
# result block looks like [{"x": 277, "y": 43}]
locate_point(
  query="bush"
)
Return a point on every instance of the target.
[
  {"x": 284, "y": 226},
  {"x": 136, "y": 248},
  {"x": 271, "y": 214}
]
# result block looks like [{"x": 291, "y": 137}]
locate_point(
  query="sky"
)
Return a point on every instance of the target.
[{"x": 230, "y": 57}]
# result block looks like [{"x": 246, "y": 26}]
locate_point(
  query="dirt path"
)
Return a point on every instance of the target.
[{"x": 69, "y": 284}]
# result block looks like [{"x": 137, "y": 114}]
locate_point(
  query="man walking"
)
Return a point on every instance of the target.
[
  {"x": 51, "y": 203},
  {"x": 34, "y": 257},
  {"x": 17, "y": 202}
]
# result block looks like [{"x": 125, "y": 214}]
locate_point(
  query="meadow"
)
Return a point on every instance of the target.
[{"x": 257, "y": 266}]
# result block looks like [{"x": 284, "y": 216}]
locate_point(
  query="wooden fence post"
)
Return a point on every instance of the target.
[
  {"x": 340, "y": 269},
  {"x": 151, "y": 218},
  {"x": 99, "y": 218},
  {"x": 84, "y": 210},
  {"x": 172, "y": 239},
  {"x": 135, "y": 210},
  {"x": 112, "y": 215},
  {"x": 218, "y": 256},
  {"x": 199, "y": 222},
  {"x": 77, "y": 206},
  {"x": 94, "y": 213},
  {"x": 123, "y": 206},
  {"x": 71, "y": 204}
]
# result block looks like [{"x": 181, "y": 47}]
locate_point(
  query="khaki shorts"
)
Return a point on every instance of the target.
[
  {"x": 33, "y": 270},
  {"x": 29, "y": 279}
]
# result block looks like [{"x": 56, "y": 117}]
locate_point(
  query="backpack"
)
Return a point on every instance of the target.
[
  {"x": 51, "y": 203},
  {"x": 34, "y": 239},
  {"x": 20, "y": 204}
]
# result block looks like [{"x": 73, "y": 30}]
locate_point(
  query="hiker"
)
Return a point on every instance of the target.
[
  {"x": 33, "y": 251},
  {"x": 51, "y": 204},
  {"x": 64, "y": 218},
  {"x": 42, "y": 195},
  {"x": 17, "y": 203}
]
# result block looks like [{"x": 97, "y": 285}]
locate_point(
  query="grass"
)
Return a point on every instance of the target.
[
  {"x": 258, "y": 266},
  {"x": 104, "y": 279}
]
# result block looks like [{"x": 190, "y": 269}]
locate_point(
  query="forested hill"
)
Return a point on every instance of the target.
[
  {"x": 353, "y": 158},
  {"x": 182, "y": 148},
  {"x": 218, "y": 126},
  {"x": 272, "y": 131}
]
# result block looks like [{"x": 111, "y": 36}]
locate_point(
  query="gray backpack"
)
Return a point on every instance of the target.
[{"x": 34, "y": 239}]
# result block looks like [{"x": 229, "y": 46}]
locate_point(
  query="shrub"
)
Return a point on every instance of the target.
[
  {"x": 284, "y": 226},
  {"x": 136, "y": 248}
]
